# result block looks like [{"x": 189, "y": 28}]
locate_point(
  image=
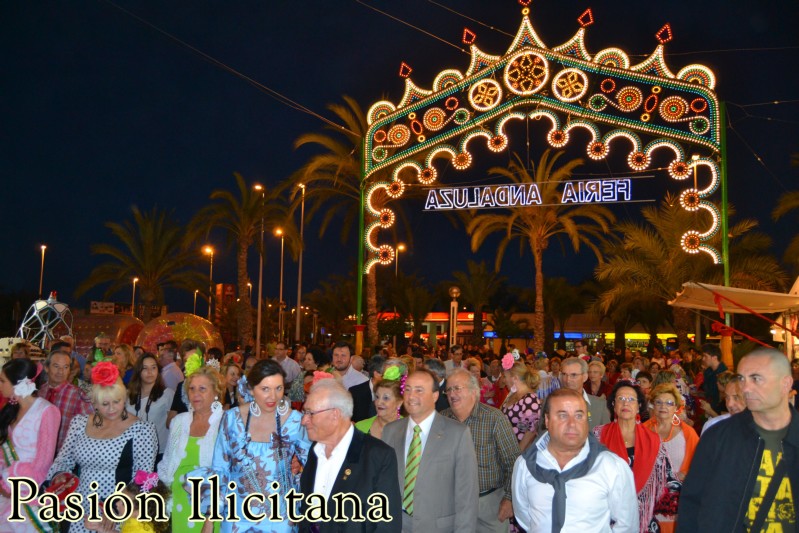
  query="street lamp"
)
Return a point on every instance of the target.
[
  {"x": 454, "y": 292},
  {"x": 41, "y": 271},
  {"x": 249, "y": 292},
  {"x": 400, "y": 248},
  {"x": 279, "y": 233},
  {"x": 299, "y": 271},
  {"x": 133, "y": 298},
  {"x": 208, "y": 250},
  {"x": 195, "y": 300},
  {"x": 262, "y": 190}
]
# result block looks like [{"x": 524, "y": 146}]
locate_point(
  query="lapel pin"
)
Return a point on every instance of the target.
[{"x": 347, "y": 472}]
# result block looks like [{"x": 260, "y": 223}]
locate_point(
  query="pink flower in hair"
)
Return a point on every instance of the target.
[
  {"x": 507, "y": 361},
  {"x": 146, "y": 480},
  {"x": 319, "y": 375}
]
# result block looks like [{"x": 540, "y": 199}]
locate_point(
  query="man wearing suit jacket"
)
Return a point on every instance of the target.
[
  {"x": 437, "y": 367},
  {"x": 345, "y": 461},
  {"x": 573, "y": 373},
  {"x": 363, "y": 398},
  {"x": 443, "y": 495}
]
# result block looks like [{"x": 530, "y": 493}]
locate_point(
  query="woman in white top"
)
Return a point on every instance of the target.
[{"x": 149, "y": 398}]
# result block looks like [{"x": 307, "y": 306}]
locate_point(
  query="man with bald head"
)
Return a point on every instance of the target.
[{"x": 746, "y": 468}]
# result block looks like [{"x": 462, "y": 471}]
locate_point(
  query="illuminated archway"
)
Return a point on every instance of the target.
[{"x": 614, "y": 101}]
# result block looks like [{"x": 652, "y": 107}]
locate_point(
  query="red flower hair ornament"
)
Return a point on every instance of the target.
[{"x": 105, "y": 374}]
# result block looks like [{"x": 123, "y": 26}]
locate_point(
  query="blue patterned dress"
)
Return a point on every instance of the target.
[{"x": 254, "y": 466}]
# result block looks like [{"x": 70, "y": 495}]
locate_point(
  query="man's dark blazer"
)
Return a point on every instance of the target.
[
  {"x": 370, "y": 467},
  {"x": 442, "y": 402},
  {"x": 363, "y": 406}
]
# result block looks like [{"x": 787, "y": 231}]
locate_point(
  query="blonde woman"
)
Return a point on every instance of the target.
[{"x": 521, "y": 406}]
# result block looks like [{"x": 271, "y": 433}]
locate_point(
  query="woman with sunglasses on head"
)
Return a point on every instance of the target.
[
  {"x": 679, "y": 440},
  {"x": 642, "y": 449},
  {"x": 255, "y": 447}
]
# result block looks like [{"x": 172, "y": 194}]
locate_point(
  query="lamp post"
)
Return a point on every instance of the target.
[
  {"x": 249, "y": 292},
  {"x": 299, "y": 269},
  {"x": 399, "y": 248},
  {"x": 209, "y": 251},
  {"x": 133, "y": 298},
  {"x": 41, "y": 271},
  {"x": 195, "y": 301},
  {"x": 454, "y": 292},
  {"x": 260, "y": 188},
  {"x": 281, "y": 305}
]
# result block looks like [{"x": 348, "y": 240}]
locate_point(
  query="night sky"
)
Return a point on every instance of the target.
[{"x": 100, "y": 112}]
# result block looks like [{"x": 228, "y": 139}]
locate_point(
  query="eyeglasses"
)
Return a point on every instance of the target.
[
  {"x": 626, "y": 399},
  {"x": 666, "y": 403},
  {"x": 456, "y": 388},
  {"x": 314, "y": 413}
]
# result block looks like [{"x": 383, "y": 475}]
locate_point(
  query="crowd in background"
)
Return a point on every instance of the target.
[{"x": 150, "y": 420}]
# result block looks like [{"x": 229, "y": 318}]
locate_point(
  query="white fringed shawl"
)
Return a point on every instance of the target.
[{"x": 178, "y": 440}]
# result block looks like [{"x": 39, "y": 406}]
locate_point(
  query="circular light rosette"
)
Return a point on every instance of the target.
[
  {"x": 428, "y": 175},
  {"x": 629, "y": 98},
  {"x": 570, "y": 85},
  {"x": 485, "y": 95},
  {"x": 689, "y": 199},
  {"x": 679, "y": 170},
  {"x": 386, "y": 218},
  {"x": 638, "y": 160},
  {"x": 395, "y": 189},
  {"x": 558, "y": 138},
  {"x": 385, "y": 254},
  {"x": 673, "y": 108},
  {"x": 526, "y": 72},
  {"x": 597, "y": 150},
  {"x": 691, "y": 241},
  {"x": 462, "y": 161}
]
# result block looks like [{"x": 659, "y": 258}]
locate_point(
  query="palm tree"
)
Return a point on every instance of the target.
[
  {"x": 646, "y": 262},
  {"x": 561, "y": 301},
  {"x": 240, "y": 217},
  {"x": 152, "y": 248},
  {"x": 789, "y": 202},
  {"x": 332, "y": 182},
  {"x": 477, "y": 287},
  {"x": 581, "y": 224},
  {"x": 413, "y": 300},
  {"x": 334, "y": 300}
]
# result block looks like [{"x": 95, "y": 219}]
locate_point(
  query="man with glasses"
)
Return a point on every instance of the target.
[
  {"x": 495, "y": 445},
  {"x": 581, "y": 350},
  {"x": 573, "y": 374},
  {"x": 345, "y": 461},
  {"x": 455, "y": 359},
  {"x": 437, "y": 464}
]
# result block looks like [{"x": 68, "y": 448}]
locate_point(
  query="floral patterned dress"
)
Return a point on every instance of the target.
[
  {"x": 524, "y": 414},
  {"x": 254, "y": 466}
]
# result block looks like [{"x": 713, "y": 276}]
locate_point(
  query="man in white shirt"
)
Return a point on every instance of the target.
[
  {"x": 573, "y": 374},
  {"x": 455, "y": 359},
  {"x": 345, "y": 461},
  {"x": 568, "y": 459},
  {"x": 289, "y": 365},
  {"x": 342, "y": 361},
  {"x": 170, "y": 371}
]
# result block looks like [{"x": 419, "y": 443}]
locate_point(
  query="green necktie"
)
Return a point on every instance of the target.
[{"x": 412, "y": 469}]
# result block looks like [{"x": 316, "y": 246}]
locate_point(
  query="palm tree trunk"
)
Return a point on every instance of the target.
[
  {"x": 243, "y": 311},
  {"x": 477, "y": 325},
  {"x": 372, "y": 336},
  {"x": 539, "y": 330},
  {"x": 683, "y": 325}
]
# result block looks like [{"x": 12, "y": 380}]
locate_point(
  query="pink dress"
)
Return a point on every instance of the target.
[
  {"x": 28, "y": 452},
  {"x": 524, "y": 414}
]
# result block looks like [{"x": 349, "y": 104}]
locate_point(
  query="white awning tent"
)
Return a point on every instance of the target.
[
  {"x": 703, "y": 296},
  {"x": 709, "y": 297}
]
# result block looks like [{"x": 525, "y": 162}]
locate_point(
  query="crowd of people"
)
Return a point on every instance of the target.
[{"x": 318, "y": 439}]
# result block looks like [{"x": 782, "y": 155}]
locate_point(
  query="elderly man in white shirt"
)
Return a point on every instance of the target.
[{"x": 568, "y": 481}]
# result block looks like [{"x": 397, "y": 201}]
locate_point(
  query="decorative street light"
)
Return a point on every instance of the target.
[
  {"x": 299, "y": 271},
  {"x": 133, "y": 298},
  {"x": 279, "y": 233},
  {"x": 208, "y": 250},
  {"x": 249, "y": 292},
  {"x": 195, "y": 300},
  {"x": 454, "y": 292},
  {"x": 41, "y": 271},
  {"x": 262, "y": 190}
]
